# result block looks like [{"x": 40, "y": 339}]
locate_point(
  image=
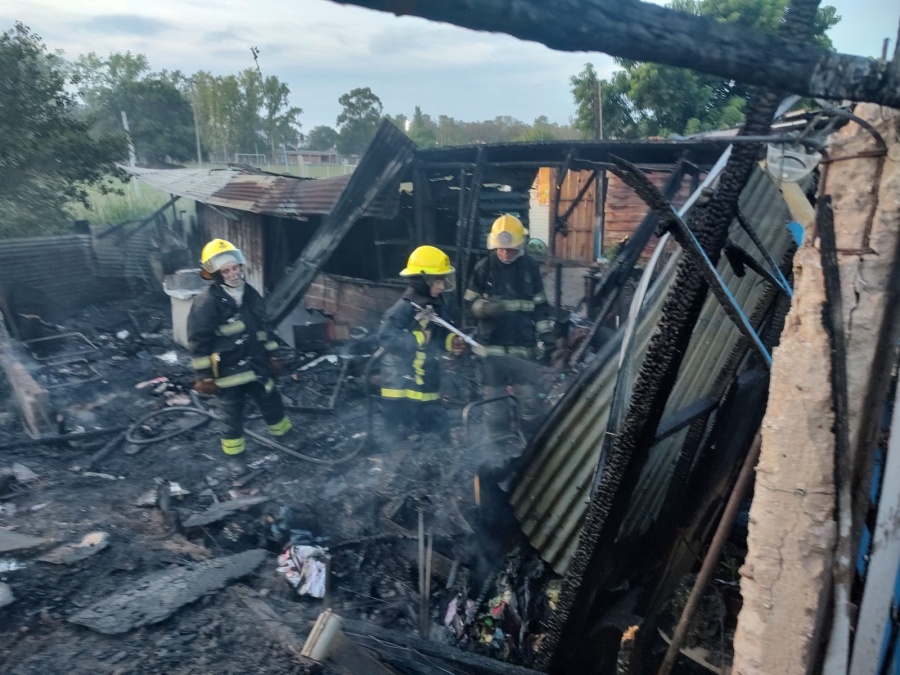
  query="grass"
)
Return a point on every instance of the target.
[{"x": 137, "y": 201}]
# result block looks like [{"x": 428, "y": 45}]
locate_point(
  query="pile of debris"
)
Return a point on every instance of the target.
[{"x": 121, "y": 527}]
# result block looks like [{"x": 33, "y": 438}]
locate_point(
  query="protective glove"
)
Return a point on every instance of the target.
[
  {"x": 206, "y": 386},
  {"x": 275, "y": 365},
  {"x": 548, "y": 338},
  {"x": 488, "y": 309},
  {"x": 457, "y": 346}
]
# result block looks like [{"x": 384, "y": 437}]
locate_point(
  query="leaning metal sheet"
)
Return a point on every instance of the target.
[{"x": 551, "y": 494}]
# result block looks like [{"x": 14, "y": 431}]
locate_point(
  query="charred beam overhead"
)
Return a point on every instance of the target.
[
  {"x": 648, "y": 32},
  {"x": 703, "y": 152}
]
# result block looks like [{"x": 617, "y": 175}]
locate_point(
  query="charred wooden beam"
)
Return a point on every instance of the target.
[
  {"x": 388, "y": 155},
  {"x": 647, "y": 32}
]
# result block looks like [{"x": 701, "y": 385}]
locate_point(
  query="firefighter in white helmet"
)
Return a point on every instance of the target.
[
  {"x": 506, "y": 296},
  {"x": 233, "y": 350}
]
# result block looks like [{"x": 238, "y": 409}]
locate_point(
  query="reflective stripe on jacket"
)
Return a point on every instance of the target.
[
  {"x": 519, "y": 289},
  {"x": 228, "y": 343},
  {"x": 410, "y": 367}
]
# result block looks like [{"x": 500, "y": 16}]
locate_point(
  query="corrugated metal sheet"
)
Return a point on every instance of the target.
[
  {"x": 551, "y": 494},
  {"x": 126, "y": 255},
  {"x": 260, "y": 192},
  {"x": 42, "y": 275}
]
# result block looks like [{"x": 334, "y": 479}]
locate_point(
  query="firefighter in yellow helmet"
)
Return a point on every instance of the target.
[
  {"x": 506, "y": 296},
  {"x": 233, "y": 350},
  {"x": 410, "y": 367}
]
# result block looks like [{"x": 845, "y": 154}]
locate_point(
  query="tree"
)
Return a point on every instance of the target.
[
  {"x": 540, "y": 130},
  {"x": 94, "y": 75},
  {"x": 160, "y": 119},
  {"x": 281, "y": 118},
  {"x": 322, "y": 138},
  {"x": 648, "y": 99},
  {"x": 584, "y": 91},
  {"x": 646, "y": 32},
  {"x": 358, "y": 120},
  {"x": 48, "y": 158},
  {"x": 422, "y": 130}
]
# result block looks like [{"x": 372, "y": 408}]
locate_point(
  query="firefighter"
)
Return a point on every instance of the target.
[
  {"x": 506, "y": 296},
  {"x": 234, "y": 354},
  {"x": 410, "y": 367}
]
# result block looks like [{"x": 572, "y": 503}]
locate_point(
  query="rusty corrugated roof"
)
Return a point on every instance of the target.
[{"x": 270, "y": 194}]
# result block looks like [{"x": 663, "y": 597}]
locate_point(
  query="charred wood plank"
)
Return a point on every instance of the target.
[
  {"x": 221, "y": 510},
  {"x": 157, "y": 596},
  {"x": 648, "y": 32},
  {"x": 390, "y": 152},
  {"x": 380, "y": 640}
]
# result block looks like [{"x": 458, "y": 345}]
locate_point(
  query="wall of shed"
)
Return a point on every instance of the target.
[
  {"x": 83, "y": 270},
  {"x": 787, "y": 575},
  {"x": 244, "y": 231},
  {"x": 579, "y": 244},
  {"x": 130, "y": 255},
  {"x": 624, "y": 210},
  {"x": 352, "y": 300},
  {"x": 49, "y": 275}
]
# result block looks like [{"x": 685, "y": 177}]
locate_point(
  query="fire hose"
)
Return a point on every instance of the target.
[{"x": 429, "y": 314}]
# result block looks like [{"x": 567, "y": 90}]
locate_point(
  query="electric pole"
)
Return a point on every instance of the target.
[{"x": 269, "y": 112}]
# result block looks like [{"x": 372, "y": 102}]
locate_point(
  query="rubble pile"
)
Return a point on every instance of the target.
[{"x": 111, "y": 527}]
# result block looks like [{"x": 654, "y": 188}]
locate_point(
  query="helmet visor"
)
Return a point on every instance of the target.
[
  {"x": 449, "y": 283},
  {"x": 219, "y": 260}
]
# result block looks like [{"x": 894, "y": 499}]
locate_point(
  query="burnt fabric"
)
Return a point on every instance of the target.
[{"x": 410, "y": 367}]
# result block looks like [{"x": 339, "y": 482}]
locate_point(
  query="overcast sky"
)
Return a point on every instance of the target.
[{"x": 323, "y": 50}]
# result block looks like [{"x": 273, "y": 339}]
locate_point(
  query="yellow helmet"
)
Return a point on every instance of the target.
[
  {"x": 506, "y": 232},
  {"x": 216, "y": 254},
  {"x": 427, "y": 260}
]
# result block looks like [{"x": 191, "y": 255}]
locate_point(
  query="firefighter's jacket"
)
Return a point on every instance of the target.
[
  {"x": 410, "y": 367},
  {"x": 518, "y": 288},
  {"x": 228, "y": 343}
]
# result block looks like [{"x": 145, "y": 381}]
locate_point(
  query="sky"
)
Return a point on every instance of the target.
[{"x": 323, "y": 50}]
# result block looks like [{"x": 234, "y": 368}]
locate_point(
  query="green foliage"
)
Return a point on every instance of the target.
[
  {"x": 647, "y": 99},
  {"x": 130, "y": 202},
  {"x": 322, "y": 138},
  {"x": 159, "y": 118},
  {"x": 95, "y": 76},
  {"x": 584, "y": 90},
  {"x": 281, "y": 119},
  {"x": 448, "y": 131},
  {"x": 422, "y": 130},
  {"x": 48, "y": 158},
  {"x": 358, "y": 120}
]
